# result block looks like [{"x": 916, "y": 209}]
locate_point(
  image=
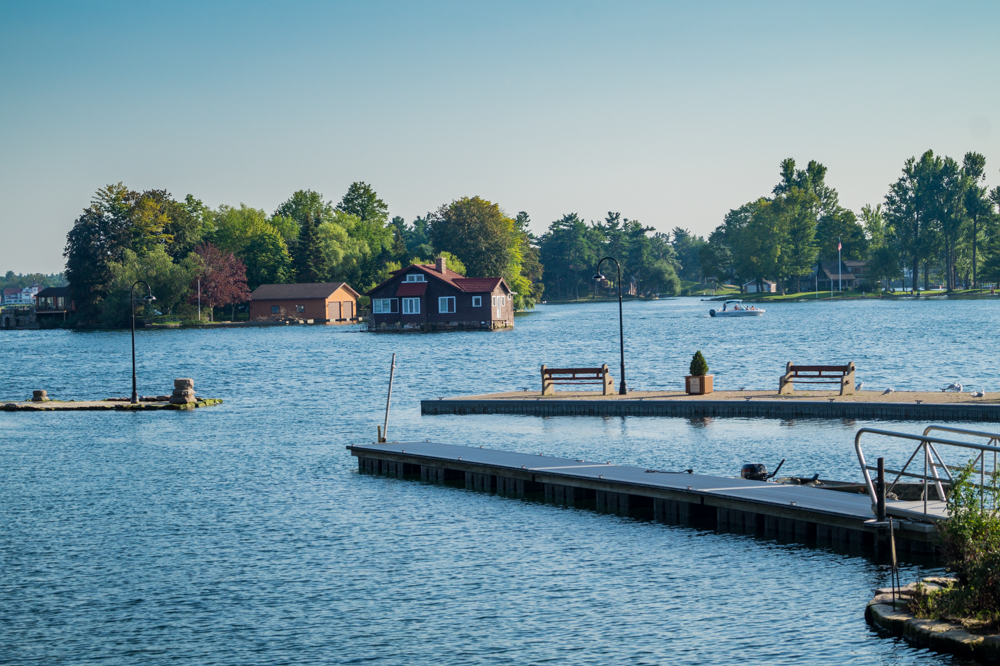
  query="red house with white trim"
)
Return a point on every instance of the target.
[{"x": 425, "y": 297}]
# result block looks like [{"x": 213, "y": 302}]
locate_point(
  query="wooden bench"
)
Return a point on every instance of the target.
[
  {"x": 817, "y": 374},
  {"x": 553, "y": 376}
]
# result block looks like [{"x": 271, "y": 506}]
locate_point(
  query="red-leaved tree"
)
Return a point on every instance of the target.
[{"x": 223, "y": 278}]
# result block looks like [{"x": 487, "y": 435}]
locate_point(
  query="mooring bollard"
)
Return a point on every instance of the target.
[{"x": 40, "y": 395}]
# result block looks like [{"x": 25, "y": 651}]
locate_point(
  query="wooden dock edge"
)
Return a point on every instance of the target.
[
  {"x": 672, "y": 506},
  {"x": 774, "y": 409}
]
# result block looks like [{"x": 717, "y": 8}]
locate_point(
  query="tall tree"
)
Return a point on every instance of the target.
[
  {"x": 977, "y": 203},
  {"x": 310, "y": 262},
  {"x": 909, "y": 210},
  {"x": 98, "y": 237},
  {"x": 267, "y": 260},
  {"x": 478, "y": 233},
  {"x": 363, "y": 202}
]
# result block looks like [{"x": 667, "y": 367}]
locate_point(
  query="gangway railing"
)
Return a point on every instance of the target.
[{"x": 933, "y": 463}]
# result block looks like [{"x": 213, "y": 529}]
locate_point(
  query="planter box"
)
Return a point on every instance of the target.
[{"x": 698, "y": 385}]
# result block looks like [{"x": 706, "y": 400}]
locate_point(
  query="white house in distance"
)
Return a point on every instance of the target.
[
  {"x": 19, "y": 296},
  {"x": 769, "y": 287}
]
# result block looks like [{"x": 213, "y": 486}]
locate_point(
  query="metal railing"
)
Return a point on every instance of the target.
[{"x": 933, "y": 463}]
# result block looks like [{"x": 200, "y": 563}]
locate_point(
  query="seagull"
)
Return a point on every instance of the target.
[
  {"x": 979, "y": 394},
  {"x": 888, "y": 391},
  {"x": 859, "y": 386},
  {"x": 956, "y": 387}
]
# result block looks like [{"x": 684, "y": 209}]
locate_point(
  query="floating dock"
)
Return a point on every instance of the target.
[
  {"x": 803, "y": 513},
  {"x": 923, "y": 406},
  {"x": 103, "y": 405}
]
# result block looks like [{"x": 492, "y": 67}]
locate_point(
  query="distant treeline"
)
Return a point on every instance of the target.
[
  {"x": 181, "y": 246},
  {"x": 938, "y": 217},
  {"x": 11, "y": 280}
]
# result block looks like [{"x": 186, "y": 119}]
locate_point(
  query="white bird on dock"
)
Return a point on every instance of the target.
[
  {"x": 979, "y": 394},
  {"x": 888, "y": 391},
  {"x": 859, "y": 386},
  {"x": 955, "y": 386}
]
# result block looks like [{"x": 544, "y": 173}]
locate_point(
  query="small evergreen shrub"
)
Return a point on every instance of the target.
[{"x": 699, "y": 366}]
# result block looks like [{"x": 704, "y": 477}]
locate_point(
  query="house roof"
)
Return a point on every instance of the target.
[
  {"x": 411, "y": 289},
  {"x": 281, "y": 292},
  {"x": 10, "y": 291},
  {"x": 755, "y": 282},
  {"x": 54, "y": 291},
  {"x": 450, "y": 277},
  {"x": 829, "y": 271}
]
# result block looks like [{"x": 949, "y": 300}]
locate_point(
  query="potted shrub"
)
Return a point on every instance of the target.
[{"x": 699, "y": 382}]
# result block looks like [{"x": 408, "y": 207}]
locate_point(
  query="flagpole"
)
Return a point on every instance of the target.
[{"x": 840, "y": 275}]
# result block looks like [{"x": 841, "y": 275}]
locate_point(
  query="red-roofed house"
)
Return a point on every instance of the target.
[{"x": 426, "y": 297}]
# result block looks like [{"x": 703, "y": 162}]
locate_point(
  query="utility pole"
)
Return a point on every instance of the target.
[{"x": 199, "y": 298}]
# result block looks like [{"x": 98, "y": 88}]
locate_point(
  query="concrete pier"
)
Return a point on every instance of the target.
[
  {"x": 923, "y": 406},
  {"x": 800, "y": 513}
]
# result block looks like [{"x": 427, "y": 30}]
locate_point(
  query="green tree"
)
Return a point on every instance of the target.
[
  {"x": 978, "y": 205},
  {"x": 309, "y": 259},
  {"x": 568, "y": 250},
  {"x": 170, "y": 282},
  {"x": 98, "y": 238},
  {"x": 267, "y": 260},
  {"x": 363, "y": 202},
  {"x": 688, "y": 248},
  {"x": 478, "y": 233}
]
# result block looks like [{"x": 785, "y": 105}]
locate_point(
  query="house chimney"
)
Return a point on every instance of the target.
[{"x": 440, "y": 265}]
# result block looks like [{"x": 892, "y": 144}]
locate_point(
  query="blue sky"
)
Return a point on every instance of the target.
[{"x": 671, "y": 113}]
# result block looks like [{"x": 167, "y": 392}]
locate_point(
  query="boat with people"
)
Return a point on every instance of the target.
[{"x": 734, "y": 308}]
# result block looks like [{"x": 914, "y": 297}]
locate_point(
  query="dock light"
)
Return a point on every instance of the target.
[
  {"x": 149, "y": 298},
  {"x": 622, "y": 389}
]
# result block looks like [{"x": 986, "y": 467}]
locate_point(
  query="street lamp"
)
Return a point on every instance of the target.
[
  {"x": 622, "y": 390},
  {"x": 150, "y": 298}
]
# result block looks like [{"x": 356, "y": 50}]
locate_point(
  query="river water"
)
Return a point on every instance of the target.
[{"x": 243, "y": 534}]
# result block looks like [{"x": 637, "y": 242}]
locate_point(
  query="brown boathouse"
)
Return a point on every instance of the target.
[
  {"x": 425, "y": 297},
  {"x": 330, "y": 302}
]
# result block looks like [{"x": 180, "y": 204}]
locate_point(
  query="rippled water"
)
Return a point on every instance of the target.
[{"x": 243, "y": 534}]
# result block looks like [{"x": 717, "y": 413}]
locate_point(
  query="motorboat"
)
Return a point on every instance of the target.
[{"x": 735, "y": 308}]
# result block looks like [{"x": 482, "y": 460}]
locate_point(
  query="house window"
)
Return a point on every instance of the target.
[
  {"x": 274, "y": 309},
  {"x": 411, "y": 306},
  {"x": 446, "y": 304},
  {"x": 299, "y": 309},
  {"x": 416, "y": 277},
  {"x": 495, "y": 301},
  {"x": 384, "y": 305},
  {"x": 503, "y": 301},
  {"x": 477, "y": 301}
]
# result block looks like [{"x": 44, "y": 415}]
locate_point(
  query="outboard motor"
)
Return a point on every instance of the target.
[
  {"x": 711, "y": 313},
  {"x": 758, "y": 471}
]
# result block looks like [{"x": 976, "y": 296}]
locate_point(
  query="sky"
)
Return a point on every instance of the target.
[{"x": 671, "y": 113}]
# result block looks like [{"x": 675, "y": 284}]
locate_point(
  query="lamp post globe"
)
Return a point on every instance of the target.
[
  {"x": 622, "y": 388},
  {"x": 148, "y": 298}
]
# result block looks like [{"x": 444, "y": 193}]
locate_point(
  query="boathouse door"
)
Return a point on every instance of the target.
[
  {"x": 348, "y": 310},
  {"x": 334, "y": 311}
]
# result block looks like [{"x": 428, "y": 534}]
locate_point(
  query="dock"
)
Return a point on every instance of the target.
[
  {"x": 802, "y": 513},
  {"x": 926, "y": 406},
  {"x": 119, "y": 405}
]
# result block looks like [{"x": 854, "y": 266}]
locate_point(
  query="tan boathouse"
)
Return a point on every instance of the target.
[{"x": 329, "y": 302}]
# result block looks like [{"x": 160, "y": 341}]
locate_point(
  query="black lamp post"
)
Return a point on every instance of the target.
[
  {"x": 622, "y": 390},
  {"x": 148, "y": 299}
]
